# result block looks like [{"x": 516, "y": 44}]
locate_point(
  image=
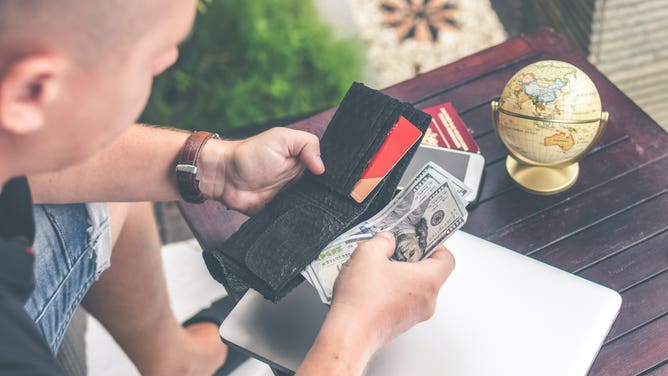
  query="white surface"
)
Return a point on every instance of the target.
[{"x": 499, "y": 313}]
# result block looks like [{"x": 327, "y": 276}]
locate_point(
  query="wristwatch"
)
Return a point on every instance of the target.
[{"x": 186, "y": 166}]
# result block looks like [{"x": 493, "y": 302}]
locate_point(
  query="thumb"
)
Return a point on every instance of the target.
[
  {"x": 309, "y": 153},
  {"x": 381, "y": 244}
]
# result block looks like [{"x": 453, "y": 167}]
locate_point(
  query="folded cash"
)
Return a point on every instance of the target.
[{"x": 422, "y": 216}]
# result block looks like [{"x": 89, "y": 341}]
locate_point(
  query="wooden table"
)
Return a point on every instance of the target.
[{"x": 610, "y": 227}]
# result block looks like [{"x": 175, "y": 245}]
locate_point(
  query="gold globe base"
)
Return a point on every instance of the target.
[{"x": 542, "y": 180}]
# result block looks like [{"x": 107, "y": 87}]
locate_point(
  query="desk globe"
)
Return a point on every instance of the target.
[{"x": 548, "y": 117}]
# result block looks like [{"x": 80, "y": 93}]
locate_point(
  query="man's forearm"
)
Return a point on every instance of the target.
[
  {"x": 342, "y": 348},
  {"x": 139, "y": 166}
]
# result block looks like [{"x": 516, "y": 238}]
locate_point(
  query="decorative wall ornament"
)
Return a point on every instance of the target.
[
  {"x": 407, "y": 37},
  {"x": 419, "y": 19}
]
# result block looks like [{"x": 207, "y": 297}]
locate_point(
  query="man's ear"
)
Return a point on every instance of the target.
[{"x": 26, "y": 87}]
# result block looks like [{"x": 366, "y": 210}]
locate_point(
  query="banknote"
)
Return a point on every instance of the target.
[
  {"x": 426, "y": 210},
  {"x": 461, "y": 188},
  {"x": 421, "y": 217},
  {"x": 330, "y": 262}
]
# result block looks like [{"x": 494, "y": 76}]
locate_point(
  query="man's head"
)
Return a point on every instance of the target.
[{"x": 75, "y": 73}]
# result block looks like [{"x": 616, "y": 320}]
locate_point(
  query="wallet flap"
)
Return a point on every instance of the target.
[{"x": 356, "y": 131}]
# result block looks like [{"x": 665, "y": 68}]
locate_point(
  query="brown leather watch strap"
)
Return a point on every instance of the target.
[{"x": 186, "y": 166}]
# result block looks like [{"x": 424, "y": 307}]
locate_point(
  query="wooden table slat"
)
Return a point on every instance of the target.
[
  {"x": 461, "y": 72},
  {"x": 515, "y": 206},
  {"x": 645, "y": 258},
  {"x": 658, "y": 370},
  {"x": 641, "y": 304},
  {"x": 599, "y": 241},
  {"x": 591, "y": 206},
  {"x": 594, "y": 169},
  {"x": 634, "y": 353},
  {"x": 475, "y": 93}
]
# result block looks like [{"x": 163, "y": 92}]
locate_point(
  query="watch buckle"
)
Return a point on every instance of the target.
[{"x": 187, "y": 168}]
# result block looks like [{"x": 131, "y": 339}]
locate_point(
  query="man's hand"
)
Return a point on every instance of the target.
[
  {"x": 375, "y": 300},
  {"x": 247, "y": 174},
  {"x": 389, "y": 297}
]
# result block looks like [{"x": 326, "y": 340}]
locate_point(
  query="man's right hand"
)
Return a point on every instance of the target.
[{"x": 374, "y": 301}]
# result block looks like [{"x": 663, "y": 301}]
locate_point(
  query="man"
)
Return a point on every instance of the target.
[{"x": 74, "y": 74}]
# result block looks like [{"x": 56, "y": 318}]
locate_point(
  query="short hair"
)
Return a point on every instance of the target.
[{"x": 85, "y": 29}]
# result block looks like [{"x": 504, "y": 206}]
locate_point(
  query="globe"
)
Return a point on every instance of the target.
[{"x": 548, "y": 116}]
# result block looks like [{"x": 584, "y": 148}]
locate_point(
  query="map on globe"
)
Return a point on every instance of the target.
[{"x": 549, "y": 112}]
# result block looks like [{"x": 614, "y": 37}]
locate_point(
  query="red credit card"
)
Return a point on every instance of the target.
[
  {"x": 397, "y": 142},
  {"x": 448, "y": 130}
]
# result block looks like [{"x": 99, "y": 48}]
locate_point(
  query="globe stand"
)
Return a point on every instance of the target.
[{"x": 542, "y": 180}]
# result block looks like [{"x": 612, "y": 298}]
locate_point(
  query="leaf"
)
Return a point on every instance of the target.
[{"x": 249, "y": 62}]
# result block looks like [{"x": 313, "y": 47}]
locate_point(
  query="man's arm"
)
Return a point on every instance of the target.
[
  {"x": 374, "y": 301},
  {"x": 139, "y": 166},
  {"x": 342, "y": 347}
]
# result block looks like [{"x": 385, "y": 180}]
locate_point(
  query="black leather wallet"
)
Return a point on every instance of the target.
[{"x": 270, "y": 250}]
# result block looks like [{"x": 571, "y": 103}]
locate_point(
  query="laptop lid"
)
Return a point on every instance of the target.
[{"x": 499, "y": 313}]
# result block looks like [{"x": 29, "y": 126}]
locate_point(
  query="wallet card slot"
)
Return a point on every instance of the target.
[{"x": 384, "y": 127}]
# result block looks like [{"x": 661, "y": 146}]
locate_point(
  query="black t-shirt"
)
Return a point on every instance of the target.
[{"x": 23, "y": 350}]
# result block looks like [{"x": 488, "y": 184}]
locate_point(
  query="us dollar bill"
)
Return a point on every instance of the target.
[
  {"x": 461, "y": 188},
  {"x": 421, "y": 216},
  {"x": 329, "y": 264}
]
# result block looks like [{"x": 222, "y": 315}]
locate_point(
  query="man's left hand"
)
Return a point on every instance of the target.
[{"x": 247, "y": 174}]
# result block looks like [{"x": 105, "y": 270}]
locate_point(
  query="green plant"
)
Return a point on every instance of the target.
[{"x": 248, "y": 62}]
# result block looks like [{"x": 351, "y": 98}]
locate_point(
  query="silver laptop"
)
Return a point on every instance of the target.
[{"x": 499, "y": 313}]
